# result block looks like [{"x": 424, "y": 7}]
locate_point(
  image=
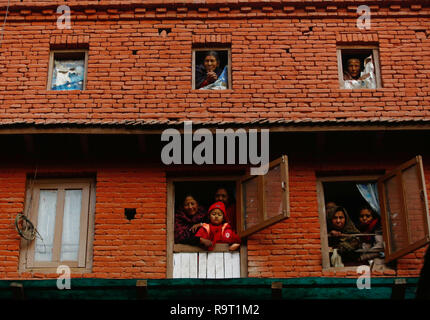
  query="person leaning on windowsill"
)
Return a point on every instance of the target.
[
  {"x": 188, "y": 219},
  {"x": 369, "y": 222},
  {"x": 339, "y": 225},
  {"x": 209, "y": 71},
  {"x": 354, "y": 78},
  {"x": 353, "y": 70}
]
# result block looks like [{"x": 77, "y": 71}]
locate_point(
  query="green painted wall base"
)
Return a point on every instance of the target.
[{"x": 200, "y": 289}]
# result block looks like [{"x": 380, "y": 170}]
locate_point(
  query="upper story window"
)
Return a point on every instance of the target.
[
  {"x": 62, "y": 212},
  {"x": 358, "y": 68},
  {"x": 212, "y": 69},
  {"x": 67, "y": 70}
]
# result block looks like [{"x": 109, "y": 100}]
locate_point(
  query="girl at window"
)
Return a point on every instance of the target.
[
  {"x": 339, "y": 225},
  {"x": 370, "y": 223},
  {"x": 218, "y": 231},
  {"x": 187, "y": 221}
]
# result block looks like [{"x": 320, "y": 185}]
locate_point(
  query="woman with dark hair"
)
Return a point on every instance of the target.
[
  {"x": 370, "y": 223},
  {"x": 223, "y": 195},
  {"x": 188, "y": 219},
  {"x": 339, "y": 225},
  {"x": 209, "y": 71}
]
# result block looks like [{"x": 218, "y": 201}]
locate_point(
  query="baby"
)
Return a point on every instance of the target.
[{"x": 218, "y": 231}]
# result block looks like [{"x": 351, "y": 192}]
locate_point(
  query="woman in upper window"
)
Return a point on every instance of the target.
[
  {"x": 188, "y": 219},
  {"x": 339, "y": 226},
  {"x": 355, "y": 78},
  {"x": 209, "y": 75}
]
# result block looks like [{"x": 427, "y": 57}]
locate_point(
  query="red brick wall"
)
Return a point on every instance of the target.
[
  {"x": 137, "y": 249},
  {"x": 292, "y": 248},
  {"x": 12, "y": 189},
  {"x": 268, "y": 81},
  {"x": 121, "y": 248}
]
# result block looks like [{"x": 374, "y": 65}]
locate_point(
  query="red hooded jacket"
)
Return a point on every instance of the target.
[{"x": 218, "y": 234}]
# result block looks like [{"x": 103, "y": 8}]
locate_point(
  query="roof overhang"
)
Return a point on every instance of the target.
[{"x": 158, "y": 126}]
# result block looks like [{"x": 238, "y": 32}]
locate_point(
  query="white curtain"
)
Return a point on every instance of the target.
[
  {"x": 46, "y": 225},
  {"x": 71, "y": 225},
  {"x": 369, "y": 191}
]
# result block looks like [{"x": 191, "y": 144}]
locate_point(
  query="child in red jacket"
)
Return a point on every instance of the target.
[{"x": 218, "y": 231}]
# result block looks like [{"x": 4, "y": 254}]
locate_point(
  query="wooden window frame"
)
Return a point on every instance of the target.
[
  {"x": 84, "y": 263},
  {"x": 51, "y": 67},
  {"x": 194, "y": 50},
  {"x": 264, "y": 221},
  {"x": 323, "y": 214},
  {"x": 173, "y": 247},
  {"x": 239, "y": 180},
  {"x": 397, "y": 173},
  {"x": 375, "y": 54},
  {"x": 380, "y": 179}
]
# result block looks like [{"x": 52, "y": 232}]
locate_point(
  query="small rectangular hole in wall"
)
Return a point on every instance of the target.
[
  {"x": 164, "y": 31},
  {"x": 130, "y": 213}
]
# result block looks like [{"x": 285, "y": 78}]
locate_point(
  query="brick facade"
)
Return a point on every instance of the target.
[
  {"x": 138, "y": 248},
  {"x": 284, "y": 67},
  {"x": 284, "y": 62}
]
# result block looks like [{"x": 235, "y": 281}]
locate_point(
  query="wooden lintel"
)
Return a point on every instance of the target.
[
  {"x": 320, "y": 142},
  {"x": 212, "y": 128}
]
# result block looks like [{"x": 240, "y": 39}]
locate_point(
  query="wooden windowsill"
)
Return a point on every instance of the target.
[
  {"x": 219, "y": 247},
  {"x": 228, "y": 90}
]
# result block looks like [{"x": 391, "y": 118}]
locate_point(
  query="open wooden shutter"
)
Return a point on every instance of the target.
[
  {"x": 263, "y": 198},
  {"x": 404, "y": 209}
]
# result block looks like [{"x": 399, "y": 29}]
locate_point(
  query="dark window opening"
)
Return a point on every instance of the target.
[
  {"x": 67, "y": 70},
  {"x": 204, "y": 193},
  {"x": 212, "y": 69},
  {"x": 354, "y": 227},
  {"x": 359, "y": 68}
]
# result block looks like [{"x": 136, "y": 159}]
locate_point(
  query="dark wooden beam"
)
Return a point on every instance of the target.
[
  {"x": 142, "y": 289},
  {"x": 17, "y": 291},
  {"x": 320, "y": 143},
  {"x": 276, "y": 290},
  {"x": 30, "y": 146},
  {"x": 142, "y": 143},
  {"x": 276, "y": 128},
  {"x": 84, "y": 144},
  {"x": 399, "y": 289}
]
